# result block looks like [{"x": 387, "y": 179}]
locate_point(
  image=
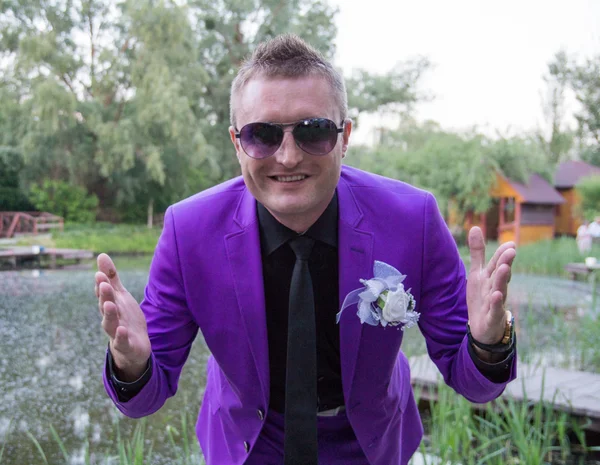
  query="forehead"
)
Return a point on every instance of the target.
[{"x": 284, "y": 100}]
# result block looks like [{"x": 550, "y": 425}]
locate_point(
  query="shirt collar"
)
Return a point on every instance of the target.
[{"x": 273, "y": 234}]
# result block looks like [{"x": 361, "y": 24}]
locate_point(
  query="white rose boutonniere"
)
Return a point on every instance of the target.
[{"x": 383, "y": 299}]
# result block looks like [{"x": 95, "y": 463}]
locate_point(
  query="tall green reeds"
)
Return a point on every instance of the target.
[
  {"x": 136, "y": 450},
  {"x": 503, "y": 432}
]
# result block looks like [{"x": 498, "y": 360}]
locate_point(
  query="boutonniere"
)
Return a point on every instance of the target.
[{"x": 383, "y": 299}]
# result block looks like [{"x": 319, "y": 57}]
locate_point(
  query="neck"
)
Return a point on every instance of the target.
[{"x": 300, "y": 223}]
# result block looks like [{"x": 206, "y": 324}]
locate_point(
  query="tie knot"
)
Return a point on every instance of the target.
[{"x": 302, "y": 246}]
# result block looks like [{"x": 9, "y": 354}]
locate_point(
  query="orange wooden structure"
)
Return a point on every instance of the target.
[
  {"x": 522, "y": 213},
  {"x": 567, "y": 175},
  {"x": 12, "y": 223}
]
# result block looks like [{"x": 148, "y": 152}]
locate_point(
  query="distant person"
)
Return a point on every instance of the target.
[
  {"x": 262, "y": 264},
  {"x": 584, "y": 238},
  {"x": 594, "y": 228}
]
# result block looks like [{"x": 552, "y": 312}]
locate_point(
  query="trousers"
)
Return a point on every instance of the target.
[{"x": 337, "y": 442}]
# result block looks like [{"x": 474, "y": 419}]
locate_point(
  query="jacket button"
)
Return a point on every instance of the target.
[
  {"x": 261, "y": 415},
  {"x": 246, "y": 446}
]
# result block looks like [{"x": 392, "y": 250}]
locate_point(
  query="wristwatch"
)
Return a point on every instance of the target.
[{"x": 507, "y": 341}]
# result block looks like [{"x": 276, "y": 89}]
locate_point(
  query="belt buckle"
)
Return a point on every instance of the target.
[{"x": 331, "y": 412}]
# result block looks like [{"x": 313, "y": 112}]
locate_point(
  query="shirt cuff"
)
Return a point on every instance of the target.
[
  {"x": 127, "y": 391},
  {"x": 498, "y": 372}
]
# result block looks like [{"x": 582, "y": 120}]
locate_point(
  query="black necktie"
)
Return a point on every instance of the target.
[{"x": 300, "y": 440}]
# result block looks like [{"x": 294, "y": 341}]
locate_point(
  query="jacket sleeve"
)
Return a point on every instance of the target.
[
  {"x": 171, "y": 327},
  {"x": 444, "y": 312}
]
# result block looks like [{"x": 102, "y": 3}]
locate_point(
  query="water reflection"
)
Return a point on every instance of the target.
[
  {"x": 52, "y": 351},
  {"x": 51, "y": 356}
]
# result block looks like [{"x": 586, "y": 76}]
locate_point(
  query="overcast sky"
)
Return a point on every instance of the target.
[{"x": 489, "y": 56}]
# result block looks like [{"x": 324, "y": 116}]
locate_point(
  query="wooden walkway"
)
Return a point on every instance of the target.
[
  {"x": 574, "y": 392},
  {"x": 17, "y": 255}
]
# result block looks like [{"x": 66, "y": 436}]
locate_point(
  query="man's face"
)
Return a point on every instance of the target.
[{"x": 295, "y": 203}]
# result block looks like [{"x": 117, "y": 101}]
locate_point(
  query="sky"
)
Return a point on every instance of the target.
[{"x": 488, "y": 57}]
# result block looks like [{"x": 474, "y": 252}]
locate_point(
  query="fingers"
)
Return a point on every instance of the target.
[
  {"x": 476, "y": 249},
  {"x": 99, "y": 277},
  {"x": 106, "y": 266},
  {"x": 121, "y": 340},
  {"x": 110, "y": 319},
  {"x": 504, "y": 254},
  {"x": 106, "y": 294},
  {"x": 499, "y": 289},
  {"x": 497, "y": 311}
]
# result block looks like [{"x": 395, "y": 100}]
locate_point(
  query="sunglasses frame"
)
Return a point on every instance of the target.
[{"x": 339, "y": 130}]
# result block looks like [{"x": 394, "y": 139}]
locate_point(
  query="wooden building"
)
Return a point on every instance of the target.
[
  {"x": 522, "y": 213},
  {"x": 567, "y": 175}
]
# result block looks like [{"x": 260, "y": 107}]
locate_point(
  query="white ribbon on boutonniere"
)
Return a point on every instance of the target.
[{"x": 383, "y": 299}]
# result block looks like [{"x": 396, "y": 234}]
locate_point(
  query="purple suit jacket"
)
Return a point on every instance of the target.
[{"x": 207, "y": 274}]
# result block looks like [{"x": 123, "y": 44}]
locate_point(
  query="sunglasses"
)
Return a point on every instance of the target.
[{"x": 316, "y": 136}]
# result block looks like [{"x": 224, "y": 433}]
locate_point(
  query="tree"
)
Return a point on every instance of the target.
[
  {"x": 130, "y": 99},
  {"x": 583, "y": 78},
  {"x": 458, "y": 168},
  {"x": 589, "y": 191},
  {"x": 394, "y": 92},
  {"x": 558, "y": 139},
  {"x": 518, "y": 157},
  {"x": 114, "y": 112},
  {"x": 450, "y": 165}
]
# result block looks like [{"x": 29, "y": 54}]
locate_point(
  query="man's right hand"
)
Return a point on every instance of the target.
[{"x": 123, "y": 321}]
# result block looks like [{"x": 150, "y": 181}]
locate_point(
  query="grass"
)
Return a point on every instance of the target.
[
  {"x": 136, "y": 450},
  {"x": 565, "y": 339},
  {"x": 101, "y": 237},
  {"x": 540, "y": 258},
  {"x": 456, "y": 433},
  {"x": 502, "y": 432}
]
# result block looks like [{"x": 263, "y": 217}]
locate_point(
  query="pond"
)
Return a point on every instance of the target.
[{"x": 52, "y": 352}]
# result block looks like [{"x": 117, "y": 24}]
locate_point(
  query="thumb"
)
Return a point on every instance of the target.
[
  {"x": 106, "y": 266},
  {"x": 476, "y": 249}
]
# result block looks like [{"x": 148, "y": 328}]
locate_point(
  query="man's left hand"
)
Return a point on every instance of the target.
[{"x": 487, "y": 287}]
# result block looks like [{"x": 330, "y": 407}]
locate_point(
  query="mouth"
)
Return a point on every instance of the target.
[{"x": 288, "y": 179}]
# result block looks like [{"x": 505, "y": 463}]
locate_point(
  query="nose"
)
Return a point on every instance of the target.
[{"x": 289, "y": 154}]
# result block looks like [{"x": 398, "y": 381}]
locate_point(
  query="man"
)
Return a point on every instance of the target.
[{"x": 297, "y": 233}]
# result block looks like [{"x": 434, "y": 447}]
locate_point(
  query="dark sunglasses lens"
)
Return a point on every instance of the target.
[
  {"x": 316, "y": 136},
  {"x": 261, "y": 140}
]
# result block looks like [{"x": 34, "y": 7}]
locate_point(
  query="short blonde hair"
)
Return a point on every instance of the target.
[{"x": 288, "y": 56}]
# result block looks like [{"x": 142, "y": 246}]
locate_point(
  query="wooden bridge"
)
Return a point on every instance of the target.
[
  {"x": 574, "y": 392},
  {"x": 16, "y": 256},
  {"x": 12, "y": 223}
]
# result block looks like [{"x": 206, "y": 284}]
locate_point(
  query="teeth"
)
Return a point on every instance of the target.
[{"x": 289, "y": 178}]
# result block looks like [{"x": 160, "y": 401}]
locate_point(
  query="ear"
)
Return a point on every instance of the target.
[
  {"x": 236, "y": 142},
  {"x": 346, "y": 135}
]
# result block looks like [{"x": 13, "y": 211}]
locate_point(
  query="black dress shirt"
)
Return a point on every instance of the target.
[{"x": 278, "y": 263}]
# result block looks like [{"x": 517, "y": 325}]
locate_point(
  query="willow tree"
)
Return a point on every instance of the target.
[{"x": 130, "y": 99}]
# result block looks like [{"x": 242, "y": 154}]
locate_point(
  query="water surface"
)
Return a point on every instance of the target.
[{"x": 52, "y": 352}]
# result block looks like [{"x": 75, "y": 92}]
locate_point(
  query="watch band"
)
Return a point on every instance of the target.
[{"x": 504, "y": 345}]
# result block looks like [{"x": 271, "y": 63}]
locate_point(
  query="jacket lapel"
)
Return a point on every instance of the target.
[
  {"x": 355, "y": 249},
  {"x": 244, "y": 255}
]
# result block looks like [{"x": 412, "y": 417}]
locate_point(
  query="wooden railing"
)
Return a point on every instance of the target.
[{"x": 12, "y": 223}]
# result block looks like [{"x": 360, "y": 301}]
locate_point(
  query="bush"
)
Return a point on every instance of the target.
[
  {"x": 589, "y": 190},
  {"x": 73, "y": 203},
  {"x": 12, "y": 199}
]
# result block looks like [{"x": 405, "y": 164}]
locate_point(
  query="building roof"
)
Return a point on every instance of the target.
[
  {"x": 537, "y": 190},
  {"x": 568, "y": 173}
]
